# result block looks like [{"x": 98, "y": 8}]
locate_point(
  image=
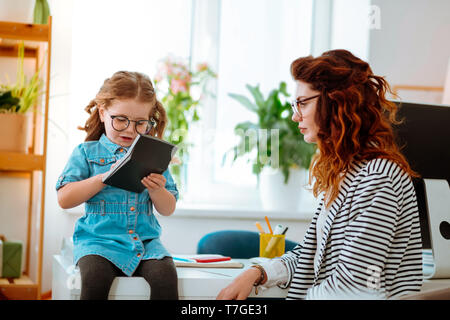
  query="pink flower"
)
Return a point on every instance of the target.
[
  {"x": 178, "y": 86},
  {"x": 158, "y": 77},
  {"x": 202, "y": 67}
]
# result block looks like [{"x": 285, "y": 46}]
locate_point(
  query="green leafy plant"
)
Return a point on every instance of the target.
[
  {"x": 21, "y": 96},
  {"x": 7, "y": 101},
  {"x": 181, "y": 90},
  {"x": 273, "y": 116}
]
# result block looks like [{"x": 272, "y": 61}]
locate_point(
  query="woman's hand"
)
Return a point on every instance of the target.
[
  {"x": 241, "y": 286},
  {"x": 154, "y": 182}
]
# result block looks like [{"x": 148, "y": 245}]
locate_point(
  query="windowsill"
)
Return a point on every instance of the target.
[
  {"x": 209, "y": 211},
  {"x": 233, "y": 212}
]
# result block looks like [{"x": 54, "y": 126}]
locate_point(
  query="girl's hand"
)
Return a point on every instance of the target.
[
  {"x": 105, "y": 173},
  {"x": 154, "y": 182}
]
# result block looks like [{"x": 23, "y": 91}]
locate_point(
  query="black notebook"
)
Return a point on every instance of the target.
[{"x": 146, "y": 155}]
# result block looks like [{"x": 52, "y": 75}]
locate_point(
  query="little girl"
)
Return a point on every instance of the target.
[{"x": 119, "y": 234}]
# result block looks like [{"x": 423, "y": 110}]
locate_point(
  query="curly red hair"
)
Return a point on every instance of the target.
[{"x": 353, "y": 115}]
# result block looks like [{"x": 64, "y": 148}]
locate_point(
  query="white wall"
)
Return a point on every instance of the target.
[
  {"x": 180, "y": 233},
  {"x": 350, "y": 26},
  {"x": 58, "y": 224},
  {"x": 412, "y": 47}
]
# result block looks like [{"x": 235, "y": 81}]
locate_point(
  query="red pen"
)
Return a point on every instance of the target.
[{"x": 211, "y": 259}]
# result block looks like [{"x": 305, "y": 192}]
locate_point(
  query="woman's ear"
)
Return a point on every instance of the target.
[{"x": 101, "y": 113}]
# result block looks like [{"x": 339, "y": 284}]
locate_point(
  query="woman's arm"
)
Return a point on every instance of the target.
[
  {"x": 75, "y": 193},
  {"x": 275, "y": 273}
]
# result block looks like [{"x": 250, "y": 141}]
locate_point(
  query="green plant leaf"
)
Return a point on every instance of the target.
[
  {"x": 257, "y": 95},
  {"x": 244, "y": 101},
  {"x": 273, "y": 113},
  {"x": 8, "y": 102},
  {"x": 283, "y": 89}
]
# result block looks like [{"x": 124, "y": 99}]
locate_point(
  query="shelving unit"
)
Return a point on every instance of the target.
[{"x": 37, "y": 39}]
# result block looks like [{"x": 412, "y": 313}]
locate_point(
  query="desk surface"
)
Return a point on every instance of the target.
[
  {"x": 209, "y": 281},
  {"x": 193, "y": 283}
]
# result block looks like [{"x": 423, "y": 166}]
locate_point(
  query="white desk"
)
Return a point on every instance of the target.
[{"x": 193, "y": 283}]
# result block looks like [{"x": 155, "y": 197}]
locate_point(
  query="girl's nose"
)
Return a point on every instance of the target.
[{"x": 130, "y": 128}]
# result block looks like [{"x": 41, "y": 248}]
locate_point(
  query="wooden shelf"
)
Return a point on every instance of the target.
[
  {"x": 24, "y": 31},
  {"x": 14, "y": 164},
  {"x": 22, "y": 288},
  {"x": 11, "y": 50},
  {"x": 11, "y": 161}
]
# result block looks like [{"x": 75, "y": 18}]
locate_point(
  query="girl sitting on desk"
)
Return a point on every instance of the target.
[
  {"x": 119, "y": 234},
  {"x": 364, "y": 240}
]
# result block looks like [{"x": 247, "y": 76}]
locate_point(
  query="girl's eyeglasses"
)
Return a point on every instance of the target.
[
  {"x": 299, "y": 103},
  {"x": 121, "y": 123}
]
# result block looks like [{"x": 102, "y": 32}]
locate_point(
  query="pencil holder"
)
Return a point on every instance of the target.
[{"x": 271, "y": 245}]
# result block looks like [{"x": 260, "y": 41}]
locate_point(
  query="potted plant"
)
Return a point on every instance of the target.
[
  {"x": 17, "y": 102},
  {"x": 279, "y": 155},
  {"x": 41, "y": 12},
  {"x": 181, "y": 90}
]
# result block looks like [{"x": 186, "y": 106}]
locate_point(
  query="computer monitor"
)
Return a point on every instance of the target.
[
  {"x": 425, "y": 136},
  {"x": 424, "y": 139}
]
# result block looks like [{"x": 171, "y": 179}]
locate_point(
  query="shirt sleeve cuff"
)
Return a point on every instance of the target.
[
  {"x": 63, "y": 180},
  {"x": 276, "y": 272}
]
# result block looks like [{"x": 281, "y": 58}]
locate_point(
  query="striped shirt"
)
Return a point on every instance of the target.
[{"x": 371, "y": 245}]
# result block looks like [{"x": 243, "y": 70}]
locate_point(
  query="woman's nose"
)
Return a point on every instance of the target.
[{"x": 296, "y": 117}]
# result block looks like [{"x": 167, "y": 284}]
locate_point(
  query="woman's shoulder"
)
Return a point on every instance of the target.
[{"x": 381, "y": 167}]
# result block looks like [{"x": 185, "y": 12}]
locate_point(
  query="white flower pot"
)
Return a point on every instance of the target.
[{"x": 276, "y": 195}]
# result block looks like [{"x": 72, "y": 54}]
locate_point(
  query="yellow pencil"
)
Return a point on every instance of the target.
[
  {"x": 260, "y": 228},
  {"x": 268, "y": 224}
]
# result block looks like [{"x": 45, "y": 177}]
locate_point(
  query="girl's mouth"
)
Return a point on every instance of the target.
[{"x": 126, "y": 138}]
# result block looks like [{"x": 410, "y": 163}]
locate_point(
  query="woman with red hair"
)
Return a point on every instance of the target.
[{"x": 364, "y": 240}]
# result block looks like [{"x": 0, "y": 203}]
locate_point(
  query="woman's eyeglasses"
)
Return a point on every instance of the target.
[
  {"x": 121, "y": 123},
  {"x": 299, "y": 103}
]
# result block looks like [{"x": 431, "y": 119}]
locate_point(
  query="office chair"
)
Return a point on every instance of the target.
[{"x": 237, "y": 244}]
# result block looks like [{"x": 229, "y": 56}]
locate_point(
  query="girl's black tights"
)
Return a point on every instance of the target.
[{"x": 98, "y": 273}]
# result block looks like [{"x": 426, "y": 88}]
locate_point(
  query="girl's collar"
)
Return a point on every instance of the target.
[{"x": 111, "y": 146}]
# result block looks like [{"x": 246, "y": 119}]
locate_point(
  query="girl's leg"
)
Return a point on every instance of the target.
[
  {"x": 161, "y": 275},
  {"x": 97, "y": 275}
]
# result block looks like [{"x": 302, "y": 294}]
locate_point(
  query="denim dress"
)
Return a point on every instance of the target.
[{"x": 118, "y": 225}]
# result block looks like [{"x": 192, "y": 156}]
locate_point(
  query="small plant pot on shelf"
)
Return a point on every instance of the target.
[{"x": 15, "y": 132}]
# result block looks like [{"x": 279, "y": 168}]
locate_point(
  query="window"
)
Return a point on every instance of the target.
[
  {"x": 257, "y": 40},
  {"x": 245, "y": 42},
  {"x": 351, "y": 24}
]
